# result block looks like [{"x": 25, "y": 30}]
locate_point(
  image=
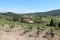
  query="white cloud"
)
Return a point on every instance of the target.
[
  {"x": 9, "y": 10},
  {"x": 18, "y": 10}
]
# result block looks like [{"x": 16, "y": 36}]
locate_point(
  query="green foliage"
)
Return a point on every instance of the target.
[
  {"x": 30, "y": 27},
  {"x": 36, "y": 19},
  {"x": 12, "y": 24}
]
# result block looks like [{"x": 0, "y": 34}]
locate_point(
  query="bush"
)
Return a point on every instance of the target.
[
  {"x": 12, "y": 25},
  {"x": 30, "y": 27}
]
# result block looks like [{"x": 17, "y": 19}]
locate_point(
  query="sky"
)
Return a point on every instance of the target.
[{"x": 28, "y": 6}]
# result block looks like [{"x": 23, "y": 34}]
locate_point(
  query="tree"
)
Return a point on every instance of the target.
[
  {"x": 59, "y": 24},
  {"x": 51, "y": 22},
  {"x": 21, "y": 19},
  {"x": 16, "y": 18}
]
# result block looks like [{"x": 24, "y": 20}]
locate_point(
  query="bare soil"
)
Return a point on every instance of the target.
[{"x": 16, "y": 35}]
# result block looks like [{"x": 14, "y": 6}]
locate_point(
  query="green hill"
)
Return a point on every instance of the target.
[{"x": 51, "y": 13}]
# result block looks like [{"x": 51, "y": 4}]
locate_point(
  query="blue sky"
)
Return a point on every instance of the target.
[{"x": 27, "y": 6}]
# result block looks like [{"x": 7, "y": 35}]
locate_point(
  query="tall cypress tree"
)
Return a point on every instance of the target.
[
  {"x": 51, "y": 22},
  {"x": 59, "y": 24}
]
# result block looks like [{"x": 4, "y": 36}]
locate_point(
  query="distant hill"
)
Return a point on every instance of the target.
[
  {"x": 51, "y": 13},
  {"x": 48, "y": 13},
  {"x": 9, "y": 15}
]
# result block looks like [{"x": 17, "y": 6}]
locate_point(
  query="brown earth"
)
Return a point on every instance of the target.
[{"x": 16, "y": 35}]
